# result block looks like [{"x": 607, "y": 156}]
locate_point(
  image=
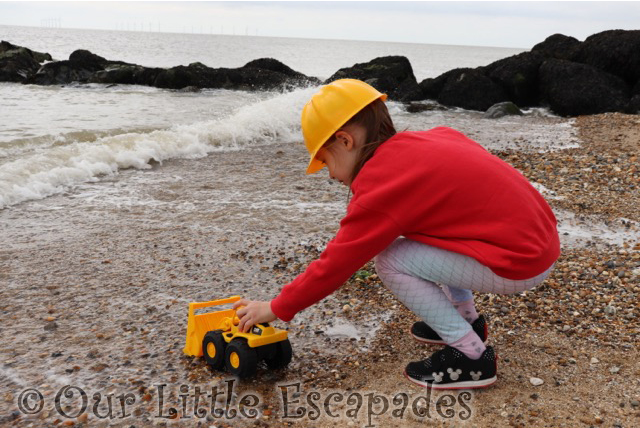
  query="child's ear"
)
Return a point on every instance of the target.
[
  {"x": 350, "y": 143},
  {"x": 346, "y": 139}
]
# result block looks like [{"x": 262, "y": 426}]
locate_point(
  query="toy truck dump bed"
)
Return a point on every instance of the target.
[{"x": 216, "y": 337}]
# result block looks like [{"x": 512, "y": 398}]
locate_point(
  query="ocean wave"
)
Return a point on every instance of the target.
[
  {"x": 40, "y": 143},
  {"x": 59, "y": 167}
]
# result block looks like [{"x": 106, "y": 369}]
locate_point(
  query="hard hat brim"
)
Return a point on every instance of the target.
[{"x": 315, "y": 165}]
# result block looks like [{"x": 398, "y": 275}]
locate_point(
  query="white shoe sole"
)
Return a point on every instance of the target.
[
  {"x": 433, "y": 342},
  {"x": 470, "y": 384}
]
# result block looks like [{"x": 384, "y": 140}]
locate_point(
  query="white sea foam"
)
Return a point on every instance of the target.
[
  {"x": 275, "y": 120},
  {"x": 576, "y": 230},
  {"x": 548, "y": 193},
  {"x": 56, "y": 165},
  {"x": 12, "y": 376}
]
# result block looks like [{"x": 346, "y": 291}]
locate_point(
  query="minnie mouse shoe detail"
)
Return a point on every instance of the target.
[{"x": 449, "y": 368}]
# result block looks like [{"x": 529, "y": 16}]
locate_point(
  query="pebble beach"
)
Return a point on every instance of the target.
[{"x": 98, "y": 280}]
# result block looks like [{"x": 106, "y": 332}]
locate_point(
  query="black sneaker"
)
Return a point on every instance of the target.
[
  {"x": 423, "y": 333},
  {"x": 449, "y": 368}
]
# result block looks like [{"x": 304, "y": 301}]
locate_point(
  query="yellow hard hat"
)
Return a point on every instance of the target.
[{"x": 329, "y": 109}]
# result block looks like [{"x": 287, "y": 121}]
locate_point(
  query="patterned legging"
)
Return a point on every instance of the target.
[{"x": 411, "y": 270}]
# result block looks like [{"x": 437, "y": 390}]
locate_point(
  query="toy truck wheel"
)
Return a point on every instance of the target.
[
  {"x": 240, "y": 359},
  {"x": 282, "y": 355},
  {"x": 213, "y": 349}
]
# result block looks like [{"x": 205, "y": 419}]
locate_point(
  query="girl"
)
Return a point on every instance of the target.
[{"x": 433, "y": 207}]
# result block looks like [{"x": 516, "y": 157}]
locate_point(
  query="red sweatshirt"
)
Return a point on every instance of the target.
[{"x": 440, "y": 188}]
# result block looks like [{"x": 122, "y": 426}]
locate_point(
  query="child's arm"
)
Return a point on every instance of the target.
[{"x": 363, "y": 234}]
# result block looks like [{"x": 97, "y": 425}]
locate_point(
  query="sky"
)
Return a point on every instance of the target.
[{"x": 501, "y": 24}]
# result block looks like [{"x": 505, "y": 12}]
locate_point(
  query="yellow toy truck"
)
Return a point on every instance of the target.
[{"x": 215, "y": 335}]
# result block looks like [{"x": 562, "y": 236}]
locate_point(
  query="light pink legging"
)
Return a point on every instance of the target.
[{"x": 411, "y": 270}]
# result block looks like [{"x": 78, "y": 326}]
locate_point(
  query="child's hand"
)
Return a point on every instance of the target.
[{"x": 253, "y": 312}]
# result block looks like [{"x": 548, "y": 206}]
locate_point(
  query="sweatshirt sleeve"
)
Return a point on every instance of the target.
[{"x": 363, "y": 234}]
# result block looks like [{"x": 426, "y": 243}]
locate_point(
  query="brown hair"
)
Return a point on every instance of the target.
[{"x": 376, "y": 121}]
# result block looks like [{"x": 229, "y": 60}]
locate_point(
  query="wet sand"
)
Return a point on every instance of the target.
[{"x": 96, "y": 282}]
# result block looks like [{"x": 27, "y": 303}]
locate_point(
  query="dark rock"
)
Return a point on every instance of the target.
[
  {"x": 518, "y": 75},
  {"x": 472, "y": 90},
  {"x": 573, "y": 89},
  {"x": 419, "y": 107},
  {"x": 146, "y": 76},
  {"x": 122, "y": 75},
  {"x": 180, "y": 77},
  {"x": 199, "y": 75},
  {"x": 58, "y": 73},
  {"x": 190, "y": 89},
  {"x": 80, "y": 67},
  {"x": 38, "y": 56},
  {"x": 568, "y": 87},
  {"x": 293, "y": 77},
  {"x": 272, "y": 65},
  {"x": 392, "y": 75},
  {"x": 506, "y": 108},
  {"x": 636, "y": 89},
  {"x": 125, "y": 74},
  {"x": 264, "y": 80},
  {"x": 51, "y": 326},
  {"x": 276, "y": 66},
  {"x": 83, "y": 59},
  {"x": 616, "y": 51},
  {"x": 558, "y": 46},
  {"x": 634, "y": 105},
  {"x": 430, "y": 88},
  {"x": 173, "y": 78},
  {"x": 6, "y": 46},
  {"x": 41, "y": 56},
  {"x": 250, "y": 77},
  {"x": 18, "y": 63}
]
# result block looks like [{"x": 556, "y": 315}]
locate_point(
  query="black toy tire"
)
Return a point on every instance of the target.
[
  {"x": 240, "y": 359},
  {"x": 214, "y": 338},
  {"x": 282, "y": 356}
]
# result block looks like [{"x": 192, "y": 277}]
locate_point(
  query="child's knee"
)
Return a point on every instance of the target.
[
  {"x": 386, "y": 261},
  {"x": 382, "y": 266}
]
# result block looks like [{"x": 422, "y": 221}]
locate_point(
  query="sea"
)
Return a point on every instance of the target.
[{"x": 55, "y": 138}]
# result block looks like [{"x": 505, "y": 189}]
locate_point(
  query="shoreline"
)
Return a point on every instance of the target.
[{"x": 98, "y": 297}]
